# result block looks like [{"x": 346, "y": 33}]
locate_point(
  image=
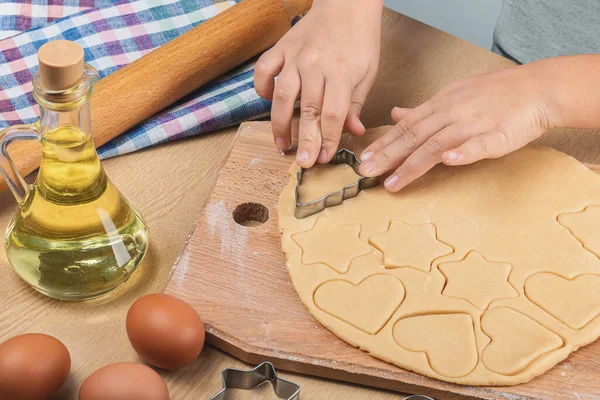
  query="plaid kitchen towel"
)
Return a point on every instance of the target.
[
  {"x": 22, "y": 15},
  {"x": 113, "y": 36}
]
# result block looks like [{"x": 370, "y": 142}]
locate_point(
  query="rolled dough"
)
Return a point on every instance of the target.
[{"x": 487, "y": 274}]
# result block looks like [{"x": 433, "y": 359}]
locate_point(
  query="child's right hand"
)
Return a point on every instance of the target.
[
  {"x": 473, "y": 118},
  {"x": 331, "y": 56}
]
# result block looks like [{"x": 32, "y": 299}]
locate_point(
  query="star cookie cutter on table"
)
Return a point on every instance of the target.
[
  {"x": 331, "y": 199},
  {"x": 250, "y": 379}
]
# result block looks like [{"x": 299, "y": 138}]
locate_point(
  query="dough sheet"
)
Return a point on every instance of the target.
[{"x": 487, "y": 274}]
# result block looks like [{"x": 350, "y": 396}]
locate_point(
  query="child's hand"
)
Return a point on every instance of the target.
[
  {"x": 331, "y": 56},
  {"x": 483, "y": 116}
]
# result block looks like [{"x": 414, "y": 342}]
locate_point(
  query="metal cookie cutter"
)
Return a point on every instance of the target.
[
  {"x": 343, "y": 156},
  {"x": 247, "y": 380},
  {"x": 418, "y": 397}
]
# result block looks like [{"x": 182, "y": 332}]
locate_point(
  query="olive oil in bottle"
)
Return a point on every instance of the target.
[{"x": 75, "y": 236}]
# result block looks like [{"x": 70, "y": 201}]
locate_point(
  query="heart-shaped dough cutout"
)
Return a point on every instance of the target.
[
  {"x": 448, "y": 340},
  {"x": 517, "y": 341},
  {"x": 367, "y": 306},
  {"x": 573, "y": 302}
]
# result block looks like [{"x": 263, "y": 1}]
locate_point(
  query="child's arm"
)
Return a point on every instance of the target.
[
  {"x": 331, "y": 56},
  {"x": 572, "y": 89},
  {"x": 487, "y": 116}
]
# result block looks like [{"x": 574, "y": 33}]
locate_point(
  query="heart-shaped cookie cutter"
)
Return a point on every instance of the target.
[
  {"x": 250, "y": 379},
  {"x": 331, "y": 199}
]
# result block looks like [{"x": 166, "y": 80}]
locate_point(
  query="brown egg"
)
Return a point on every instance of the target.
[
  {"x": 32, "y": 367},
  {"x": 165, "y": 331},
  {"x": 124, "y": 381}
]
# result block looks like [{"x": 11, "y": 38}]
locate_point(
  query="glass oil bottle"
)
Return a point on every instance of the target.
[{"x": 75, "y": 236}]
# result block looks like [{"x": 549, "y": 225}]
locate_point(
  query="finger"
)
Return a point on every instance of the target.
[
  {"x": 426, "y": 157},
  {"x": 309, "y": 136},
  {"x": 335, "y": 109},
  {"x": 404, "y": 125},
  {"x": 285, "y": 94},
  {"x": 485, "y": 145},
  {"x": 395, "y": 153},
  {"x": 265, "y": 70},
  {"x": 353, "y": 123},
  {"x": 399, "y": 113}
]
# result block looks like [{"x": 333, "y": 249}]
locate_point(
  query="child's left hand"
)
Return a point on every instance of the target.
[{"x": 482, "y": 116}]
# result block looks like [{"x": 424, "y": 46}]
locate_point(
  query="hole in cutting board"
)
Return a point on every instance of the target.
[{"x": 251, "y": 214}]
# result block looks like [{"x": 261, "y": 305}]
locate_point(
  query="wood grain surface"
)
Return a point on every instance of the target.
[
  {"x": 235, "y": 276},
  {"x": 171, "y": 184},
  {"x": 146, "y": 86}
]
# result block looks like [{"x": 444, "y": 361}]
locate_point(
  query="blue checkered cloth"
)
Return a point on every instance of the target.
[{"x": 113, "y": 36}]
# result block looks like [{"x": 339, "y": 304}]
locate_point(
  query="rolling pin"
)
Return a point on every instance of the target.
[{"x": 146, "y": 86}]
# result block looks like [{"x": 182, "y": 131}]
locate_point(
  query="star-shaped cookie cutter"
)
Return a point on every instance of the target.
[
  {"x": 250, "y": 379},
  {"x": 343, "y": 156}
]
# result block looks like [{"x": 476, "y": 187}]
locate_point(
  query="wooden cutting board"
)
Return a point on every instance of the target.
[{"x": 235, "y": 276}]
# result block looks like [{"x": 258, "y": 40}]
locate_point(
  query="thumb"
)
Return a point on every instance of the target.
[{"x": 399, "y": 113}]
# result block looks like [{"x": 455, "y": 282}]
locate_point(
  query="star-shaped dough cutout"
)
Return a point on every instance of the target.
[
  {"x": 477, "y": 280},
  {"x": 414, "y": 246},
  {"x": 330, "y": 243}
]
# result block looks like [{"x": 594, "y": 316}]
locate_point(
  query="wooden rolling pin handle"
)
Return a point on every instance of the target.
[
  {"x": 296, "y": 7},
  {"x": 148, "y": 85}
]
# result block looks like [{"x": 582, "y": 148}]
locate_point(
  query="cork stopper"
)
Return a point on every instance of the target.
[{"x": 61, "y": 64}]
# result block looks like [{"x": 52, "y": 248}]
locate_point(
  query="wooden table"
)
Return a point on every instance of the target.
[{"x": 171, "y": 183}]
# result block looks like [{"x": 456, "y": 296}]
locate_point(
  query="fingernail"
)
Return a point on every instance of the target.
[
  {"x": 368, "y": 167},
  {"x": 452, "y": 156},
  {"x": 323, "y": 156},
  {"x": 302, "y": 157},
  {"x": 391, "y": 181},
  {"x": 366, "y": 156},
  {"x": 280, "y": 143}
]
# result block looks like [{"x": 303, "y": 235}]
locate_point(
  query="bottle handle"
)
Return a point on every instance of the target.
[{"x": 15, "y": 181}]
